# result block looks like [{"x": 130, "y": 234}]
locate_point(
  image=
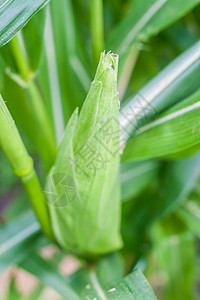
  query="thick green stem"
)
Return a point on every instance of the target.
[
  {"x": 97, "y": 30},
  {"x": 33, "y": 189},
  {"x": 22, "y": 165},
  {"x": 35, "y": 101},
  {"x": 20, "y": 59}
]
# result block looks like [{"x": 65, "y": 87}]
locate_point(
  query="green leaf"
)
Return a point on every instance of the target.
[
  {"x": 48, "y": 274},
  {"x": 87, "y": 163},
  {"x": 147, "y": 18},
  {"x": 14, "y": 15},
  {"x": 107, "y": 282},
  {"x": 176, "y": 130},
  {"x": 177, "y": 81},
  {"x": 31, "y": 40},
  {"x": 134, "y": 286},
  {"x": 15, "y": 236}
]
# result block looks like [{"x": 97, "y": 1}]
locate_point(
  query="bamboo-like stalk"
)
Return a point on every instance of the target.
[
  {"x": 36, "y": 101},
  {"x": 97, "y": 28},
  {"x": 22, "y": 165}
]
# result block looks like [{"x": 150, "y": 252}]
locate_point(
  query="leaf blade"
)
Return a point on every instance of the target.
[
  {"x": 177, "y": 81},
  {"x": 177, "y": 130},
  {"x": 14, "y": 15},
  {"x": 146, "y": 19}
]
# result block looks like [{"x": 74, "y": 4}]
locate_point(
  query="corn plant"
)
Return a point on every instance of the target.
[{"x": 100, "y": 131}]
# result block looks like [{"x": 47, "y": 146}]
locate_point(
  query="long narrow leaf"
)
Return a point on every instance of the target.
[
  {"x": 177, "y": 130},
  {"x": 147, "y": 18},
  {"x": 107, "y": 282},
  {"x": 178, "y": 80},
  {"x": 133, "y": 287},
  {"x": 15, "y": 236},
  {"x": 14, "y": 14}
]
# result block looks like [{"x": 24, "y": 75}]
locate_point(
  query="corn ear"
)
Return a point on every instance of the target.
[{"x": 82, "y": 188}]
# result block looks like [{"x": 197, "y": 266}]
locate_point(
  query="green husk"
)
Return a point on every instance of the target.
[{"x": 82, "y": 189}]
